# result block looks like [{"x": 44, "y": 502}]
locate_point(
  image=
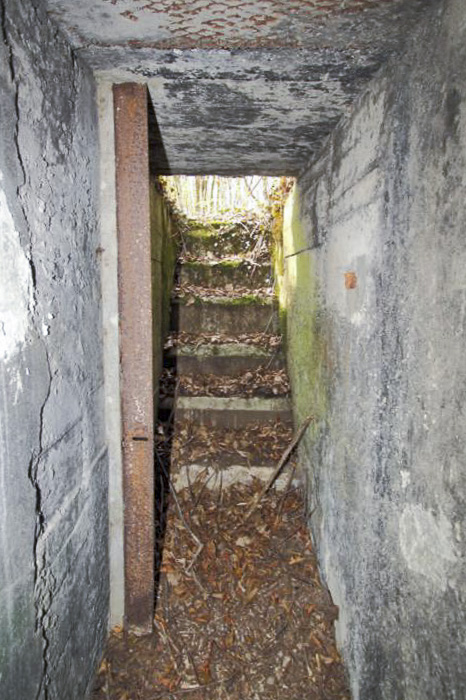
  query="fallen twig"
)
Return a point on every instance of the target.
[
  {"x": 286, "y": 455},
  {"x": 190, "y": 486},
  {"x": 219, "y": 502},
  {"x": 169, "y": 643},
  {"x": 201, "y": 490},
  {"x": 183, "y": 691},
  {"x": 286, "y": 491},
  {"x": 200, "y": 545},
  {"x": 191, "y": 660}
]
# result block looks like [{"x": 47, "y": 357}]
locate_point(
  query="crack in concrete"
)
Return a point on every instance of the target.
[
  {"x": 42, "y": 586},
  {"x": 42, "y": 583}
]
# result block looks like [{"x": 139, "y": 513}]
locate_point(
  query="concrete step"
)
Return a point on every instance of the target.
[
  {"x": 258, "y": 443},
  {"x": 225, "y": 315},
  {"x": 231, "y": 412},
  {"x": 224, "y": 460},
  {"x": 211, "y": 241},
  {"x": 228, "y": 359},
  {"x": 217, "y": 476},
  {"x": 220, "y": 273}
]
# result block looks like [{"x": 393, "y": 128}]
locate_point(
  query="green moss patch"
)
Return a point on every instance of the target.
[
  {"x": 243, "y": 300},
  {"x": 306, "y": 328}
]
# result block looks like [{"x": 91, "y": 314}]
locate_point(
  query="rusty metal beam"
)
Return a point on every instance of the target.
[{"x": 135, "y": 310}]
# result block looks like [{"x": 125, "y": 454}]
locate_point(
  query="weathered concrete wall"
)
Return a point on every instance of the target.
[
  {"x": 376, "y": 288},
  {"x": 164, "y": 253},
  {"x": 53, "y": 459}
]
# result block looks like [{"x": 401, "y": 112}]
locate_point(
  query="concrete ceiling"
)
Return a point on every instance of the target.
[{"x": 239, "y": 86}]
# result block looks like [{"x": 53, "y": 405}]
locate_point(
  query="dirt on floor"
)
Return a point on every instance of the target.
[{"x": 241, "y": 613}]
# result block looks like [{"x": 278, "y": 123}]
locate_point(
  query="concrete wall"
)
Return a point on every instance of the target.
[
  {"x": 111, "y": 348},
  {"x": 164, "y": 254},
  {"x": 53, "y": 459},
  {"x": 375, "y": 282}
]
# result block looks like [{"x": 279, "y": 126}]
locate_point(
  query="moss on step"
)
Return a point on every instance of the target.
[
  {"x": 229, "y": 264},
  {"x": 227, "y": 237},
  {"x": 243, "y": 300},
  {"x": 221, "y": 264},
  {"x": 230, "y": 274},
  {"x": 194, "y": 224},
  {"x": 202, "y": 233},
  {"x": 246, "y": 300}
]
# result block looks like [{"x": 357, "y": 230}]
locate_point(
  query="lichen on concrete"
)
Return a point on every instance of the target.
[{"x": 305, "y": 327}]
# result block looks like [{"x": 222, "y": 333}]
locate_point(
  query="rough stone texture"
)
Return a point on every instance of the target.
[
  {"x": 382, "y": 216},
  {"x": 243, "y": 86},
  {"x": 53, "y": 461}
]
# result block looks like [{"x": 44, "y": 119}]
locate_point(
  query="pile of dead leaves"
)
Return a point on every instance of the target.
[
  {"x": 241, "y": 611},
  {"x": 190, "y": 293},
  {"x": 263, "y": 340},
  {"x": 256, "y": 443},
  {"x": 259, "y": 382}
]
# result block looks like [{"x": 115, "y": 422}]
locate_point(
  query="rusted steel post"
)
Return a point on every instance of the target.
[{"x": 135, "y": 311}]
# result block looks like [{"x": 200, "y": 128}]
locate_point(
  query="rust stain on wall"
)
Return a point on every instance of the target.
[{"x": 351, "y": 280}]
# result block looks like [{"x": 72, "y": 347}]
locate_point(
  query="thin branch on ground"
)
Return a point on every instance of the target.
[{"x": 276, "y": 473}]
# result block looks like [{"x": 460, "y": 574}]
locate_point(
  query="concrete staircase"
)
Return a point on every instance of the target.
[{"x": 224, "y": 349}]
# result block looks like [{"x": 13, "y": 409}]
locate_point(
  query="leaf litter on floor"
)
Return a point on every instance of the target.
[
  {"x": 245, "y": 617},
  {"x": 262, "y": 382},
  {"x": 256, "y": 443},
  {"x": 263, "y": 340}
]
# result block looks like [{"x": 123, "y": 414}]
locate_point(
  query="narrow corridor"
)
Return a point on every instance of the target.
[
  {"x": 241, "y": 612},
  {"x": 363, "y": 104}
]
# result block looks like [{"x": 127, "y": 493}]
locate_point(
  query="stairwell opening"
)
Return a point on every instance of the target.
[{"x": 240, "y": 609}]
